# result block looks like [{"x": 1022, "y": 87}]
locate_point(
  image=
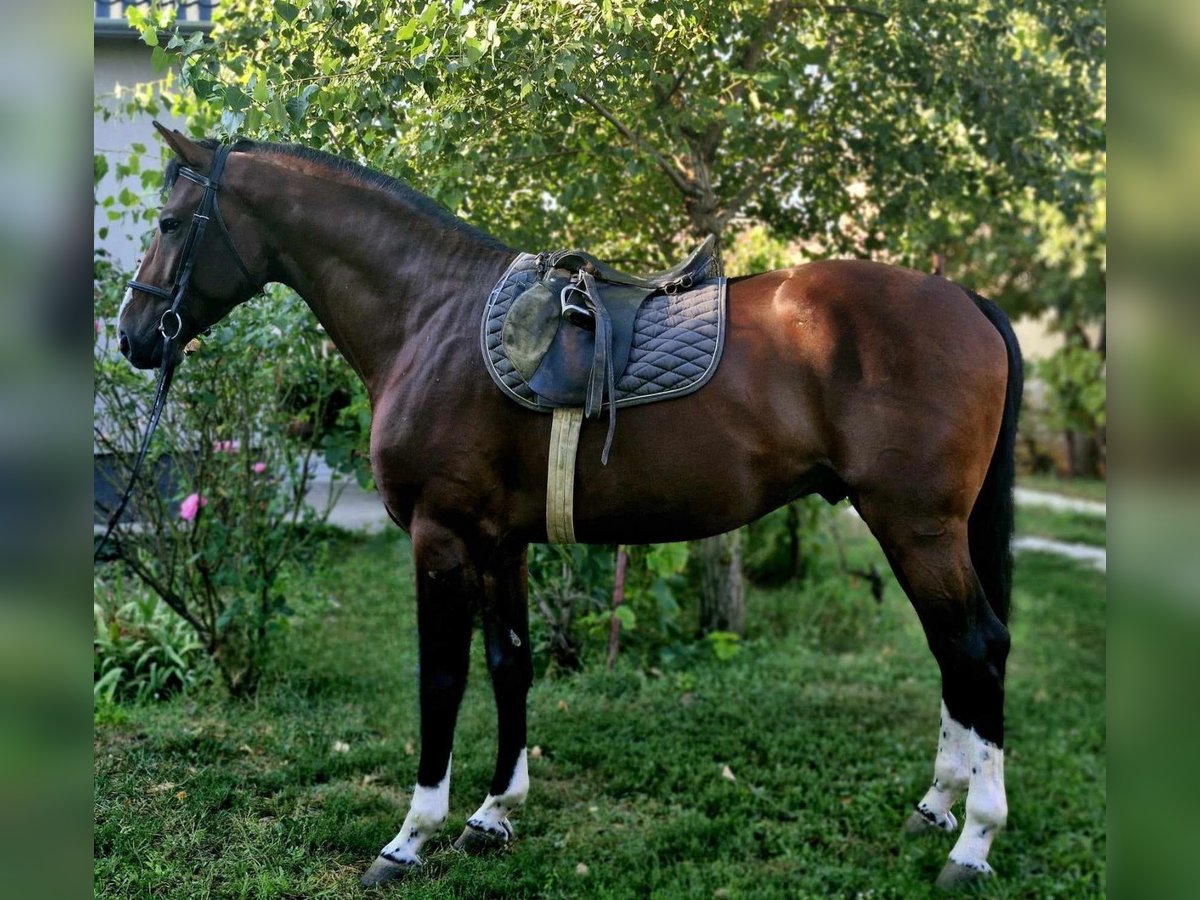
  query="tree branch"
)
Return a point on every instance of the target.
[{"x": 678, "y": 178}]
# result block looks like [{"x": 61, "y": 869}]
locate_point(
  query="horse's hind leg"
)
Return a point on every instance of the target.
[
  {"x": 931, "y": 559},
  {"x": 448, "y": 593},
  {"x": 506, "y": 642}
]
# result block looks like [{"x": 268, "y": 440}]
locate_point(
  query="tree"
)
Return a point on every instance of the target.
[{"x": 895, "y": 127}]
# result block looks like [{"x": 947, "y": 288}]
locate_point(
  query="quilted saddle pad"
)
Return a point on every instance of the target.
[{"x": 677, "y": 341}]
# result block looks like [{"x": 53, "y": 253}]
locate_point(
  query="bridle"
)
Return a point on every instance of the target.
[
  {"x": 170, "y": 325},
  {"x": 207, "y": 210}
]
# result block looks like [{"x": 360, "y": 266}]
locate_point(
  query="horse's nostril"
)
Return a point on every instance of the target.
[{"x": 123, "y": 343}]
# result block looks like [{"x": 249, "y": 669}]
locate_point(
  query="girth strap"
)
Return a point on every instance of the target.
[{"x": 560, "y": 474}]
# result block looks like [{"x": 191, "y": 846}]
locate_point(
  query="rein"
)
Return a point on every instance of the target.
[{"x": 170, "y": 330}]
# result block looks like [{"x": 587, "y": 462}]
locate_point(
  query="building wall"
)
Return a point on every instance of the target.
[{"x": 121, "y": 63}]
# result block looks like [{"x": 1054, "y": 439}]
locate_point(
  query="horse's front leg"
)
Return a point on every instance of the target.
[
  {"x": 506, "y": 639},
  {"x": 448, "y": 593}
]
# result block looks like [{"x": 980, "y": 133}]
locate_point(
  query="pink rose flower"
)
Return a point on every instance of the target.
[
  {"x": 190, "y": 506},
  {"x": 259, "y": 467}
]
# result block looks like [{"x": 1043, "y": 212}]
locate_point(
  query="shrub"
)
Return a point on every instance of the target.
[
  {"x": 141, "y": 649},
  {"x": 784, "y": 545},
  {"x": 571, "y": 588},
  {"x": 221, "y": 509},
  {"x": 1075, "y": 376}
]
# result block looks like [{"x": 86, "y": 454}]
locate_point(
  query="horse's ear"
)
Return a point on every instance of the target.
[{"x": 188, "y": 151}]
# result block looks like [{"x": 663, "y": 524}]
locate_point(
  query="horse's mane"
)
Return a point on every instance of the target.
[{"x": 427, "y": 206}]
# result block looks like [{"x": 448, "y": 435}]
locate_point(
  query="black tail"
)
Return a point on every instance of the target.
[{"x": 990, "y": 527}]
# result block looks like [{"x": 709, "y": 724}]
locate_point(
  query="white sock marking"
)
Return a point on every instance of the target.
[
  {"x": 492, "y": 816},
  {"x": 987, "y": 806},
  {"x": 426, "y": 813},
  {"x": 951, "y": 773}
]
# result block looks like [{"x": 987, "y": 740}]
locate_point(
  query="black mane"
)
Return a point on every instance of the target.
[{"x": 365, "y": 176}]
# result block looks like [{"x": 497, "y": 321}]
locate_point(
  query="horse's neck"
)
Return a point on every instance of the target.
[{"x": 376, "y": 270}]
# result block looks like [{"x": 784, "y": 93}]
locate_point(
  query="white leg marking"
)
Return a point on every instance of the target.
[
  {"x": 492, "y": 816},
  {"x": 951, "y": 773},
  {"x": 987, "y": 806},
  {"x": 426, "y": 814}
]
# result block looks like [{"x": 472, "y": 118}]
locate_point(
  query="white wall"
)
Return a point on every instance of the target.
[{"x": 122, "y": 62}]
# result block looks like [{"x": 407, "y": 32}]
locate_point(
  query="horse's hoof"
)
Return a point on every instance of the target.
[
  {"x": 956, "y": 875},
  {"x": 385, "y": 870},
  {"x": 478, "y": 840},
  {"x": 920, "y": 823}
]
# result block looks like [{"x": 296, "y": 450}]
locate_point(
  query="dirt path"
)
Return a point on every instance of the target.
[{"x": 1059, "y": 502}]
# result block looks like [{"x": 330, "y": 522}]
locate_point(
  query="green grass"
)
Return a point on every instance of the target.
[
  {"x": 1082, "y": 488},
  {"x": 1074, "y": 527},
  {"x": 200, "y": 796}
]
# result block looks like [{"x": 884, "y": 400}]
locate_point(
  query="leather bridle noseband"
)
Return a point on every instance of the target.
[{"x": 170, "y": 325}]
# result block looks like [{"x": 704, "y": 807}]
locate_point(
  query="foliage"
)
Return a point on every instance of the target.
[
  {"x": 572, "y": 586},
  {"x": 1078, "y": 387},
  {"x": 783, "y": 545},
  {"x": 220, "y": 510},
  {"x": 141, "y": 650},
  {"x": 200, "y": 796},
  {"x": 566, "y": 583},
  {"x": 893, "y": 125}
]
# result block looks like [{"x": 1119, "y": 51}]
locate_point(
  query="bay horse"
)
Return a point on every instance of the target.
[{"x": 897, "y": 389}]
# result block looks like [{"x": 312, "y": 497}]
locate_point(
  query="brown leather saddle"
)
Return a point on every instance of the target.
[{"x": 569, "y": 335}]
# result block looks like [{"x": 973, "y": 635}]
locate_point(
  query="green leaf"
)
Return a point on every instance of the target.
[
  {"x": 667, "y": 559},
  {"x": 286, "y": 11},
  {"x": 626, "y": 616},
  {"x": 149, "y": 35},
  {"x": 235, "y": 99},
  {"x": 160, "y": 59},
  {"x": 296, "y": 108}
]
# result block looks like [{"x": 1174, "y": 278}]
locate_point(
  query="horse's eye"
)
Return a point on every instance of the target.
[{"x": 168, "y": 226}]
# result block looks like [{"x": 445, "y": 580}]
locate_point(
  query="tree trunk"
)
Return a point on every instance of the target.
[
  {"x": 722, "y": 593},
  {"x": 1083, "y": 454},
  {"x": 614, "y": 625}
]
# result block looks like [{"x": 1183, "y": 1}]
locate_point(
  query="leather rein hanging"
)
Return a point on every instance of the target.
[{"x": 171, "y": 323}]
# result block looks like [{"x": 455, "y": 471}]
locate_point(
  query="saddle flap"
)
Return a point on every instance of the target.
[
  {"x": 561, "y": 378},
  {"x": 531, "y": 326}
]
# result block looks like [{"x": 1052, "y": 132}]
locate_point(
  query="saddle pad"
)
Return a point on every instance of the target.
[{"x": 677, "y": 341}]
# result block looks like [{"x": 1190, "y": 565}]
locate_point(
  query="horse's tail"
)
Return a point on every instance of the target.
[{"x": 990, "y": 527}]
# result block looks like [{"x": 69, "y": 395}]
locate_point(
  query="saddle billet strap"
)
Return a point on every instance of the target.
[{"x": 602, "y": 384}]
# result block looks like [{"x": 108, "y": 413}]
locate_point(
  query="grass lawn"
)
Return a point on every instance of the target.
[
  {"x": 1074, "y": 527},
  {"x": 1083, "y": 488},
  {"x": 201, "y": 796}
]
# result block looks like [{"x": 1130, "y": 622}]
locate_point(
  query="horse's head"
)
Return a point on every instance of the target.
[{"x": 196, "y": 268}]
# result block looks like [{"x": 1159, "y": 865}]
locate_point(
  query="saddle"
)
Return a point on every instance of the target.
[{"x": 569, "y": 335}]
